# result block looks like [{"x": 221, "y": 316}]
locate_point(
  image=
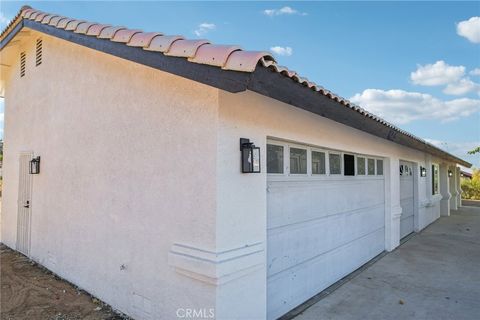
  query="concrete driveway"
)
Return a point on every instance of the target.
[{"x": 433, "y": 275}]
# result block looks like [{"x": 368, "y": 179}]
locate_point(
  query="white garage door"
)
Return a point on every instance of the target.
[
  {"x": 406, "y": 198},
  {"x": 321, "y": 227}
]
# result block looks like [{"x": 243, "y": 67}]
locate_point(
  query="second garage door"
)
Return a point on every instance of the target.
[
  {"x": 406, "y": 198},
  {"x": 322, "y": 224}
]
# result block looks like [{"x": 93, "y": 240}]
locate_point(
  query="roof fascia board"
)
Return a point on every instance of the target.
[
  {"x": 281, "y": 88},
  {"x": 231, "y": 81},
  {"x": 11, "y": 35}
]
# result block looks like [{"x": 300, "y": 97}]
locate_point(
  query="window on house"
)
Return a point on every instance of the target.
[
  {"x": 318, "y": 162},
  {"x": 348, "y": 165},
  {"x": 335, "y": 163},
  {"x": 274, "y": 158},
  {"x": 435, "y": 178},
  {"x": 298, "y": 161},
  {"x": 371, "y": 167},
  {"x": 379, "y": 167}
]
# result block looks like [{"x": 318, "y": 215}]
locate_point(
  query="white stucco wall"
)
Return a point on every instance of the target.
[{"x": 128, "y": 161}]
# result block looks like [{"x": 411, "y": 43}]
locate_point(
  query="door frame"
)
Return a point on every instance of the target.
[{"x": 25, "y": 185}]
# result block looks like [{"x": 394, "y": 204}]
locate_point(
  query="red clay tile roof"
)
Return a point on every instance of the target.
[{"x": 199, "y": 51}]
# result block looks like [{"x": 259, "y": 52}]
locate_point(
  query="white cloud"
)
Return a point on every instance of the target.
[
  {"x": 3, "y": 20},
  {"x": 282, "y": 51},
  {"x": 462, "y": 87},
  {"x": 400, "y": 107},
  {"x": 204, "y": 28},
  {"x": 282, "y": 11},
  {"x": 475, "y": 72},
  {"x": 470, "y": 29},
  {"x": 436, "y": 74}
]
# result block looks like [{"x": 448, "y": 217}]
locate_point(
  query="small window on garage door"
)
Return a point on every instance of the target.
[
  {"x": 318, "y": 162},
  {"x": 348, "y": 164},
  {"x": 335, "y": 163},
  {"x": 379, "y": 167},
  {"x": 298, "y": 161},
  {"x": 360, "y": 166},
  {"x": 371, "y": 167},
  {"x": 274, "y": 158}
]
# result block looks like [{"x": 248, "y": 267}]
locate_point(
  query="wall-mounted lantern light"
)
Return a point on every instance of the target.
[
  {"x": 250, "y": 156},
  {"x": 450, "y": 173},
  {"x": 423, "y": 171},
  {"x": 35, "y": 165}
]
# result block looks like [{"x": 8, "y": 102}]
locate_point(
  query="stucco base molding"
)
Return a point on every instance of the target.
[{"x": 216, "y": 267}]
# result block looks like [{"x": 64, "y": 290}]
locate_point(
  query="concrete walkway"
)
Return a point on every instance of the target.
[{"x": 434, "y": 275}]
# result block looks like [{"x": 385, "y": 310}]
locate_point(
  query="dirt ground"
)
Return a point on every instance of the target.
[{"x": 29, "y": 291}]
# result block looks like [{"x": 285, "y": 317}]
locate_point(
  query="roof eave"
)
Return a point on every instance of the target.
[{"x": 262, "y": 80}]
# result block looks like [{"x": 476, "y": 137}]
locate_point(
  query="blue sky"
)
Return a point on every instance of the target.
[{"x": 415, "y": 64}]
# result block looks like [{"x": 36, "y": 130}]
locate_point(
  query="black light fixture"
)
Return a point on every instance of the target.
[
  {"x": 423, "y": 171},
  {"x": 250, "y": 156},
  {"x": 35, "y": 165},
  {"x": 450, "y": 173}
]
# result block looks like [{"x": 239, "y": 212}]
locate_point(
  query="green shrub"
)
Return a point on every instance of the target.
[{"x": 471, "y": 187}]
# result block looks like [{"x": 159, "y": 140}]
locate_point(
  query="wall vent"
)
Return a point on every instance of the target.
[
  {"x": 38, "y": 53},
  {"x": 22, "y": 64}
]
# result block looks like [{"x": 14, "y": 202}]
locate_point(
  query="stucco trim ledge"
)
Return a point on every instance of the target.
[{"x": 214, "y": 267}]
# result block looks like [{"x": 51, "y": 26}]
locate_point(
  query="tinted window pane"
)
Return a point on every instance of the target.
[
  {"x": 335, "y": 163},
  {"x": 380, "y": 167},
  {"x": 360, "y": 166},
  {"x": 318, "y": 162},
  {"x": 298, "y": 161},
  {"x": 348, "y": 165},
  {"x": 371, "y": 167},
  {"x": 435, "y": 179},
  {"x": 274, "y": 159}
]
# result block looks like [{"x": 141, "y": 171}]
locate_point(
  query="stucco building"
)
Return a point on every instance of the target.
[{"x": 139, "y": 190}]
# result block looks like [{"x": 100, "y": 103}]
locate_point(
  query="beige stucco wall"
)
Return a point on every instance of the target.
[{"x": 128, "y": 160}]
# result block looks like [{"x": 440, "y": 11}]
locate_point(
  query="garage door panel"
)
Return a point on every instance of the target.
[
  {"x": 293, "y": 286},
  {"x": 298, "y": 201},
  {"x": 291, "y": 245}
]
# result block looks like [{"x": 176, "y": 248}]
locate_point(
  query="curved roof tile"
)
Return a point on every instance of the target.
[
  {"x": 96, "y": 29},
  {"x": 62, "y": 23},
  {"x": 124, "y": 35},
  {"x": 48, "y": 18},
  {"x": 72, "y": 25},
  {"x": 215, "y": 55},
  {"x": 83, "y": 27},
  {"x": 109, "y": 32},
  {"x": 185, "y": 48},
  {"x": 162, "y": 43},
  {"x": 142, "y": 39},
  {"x": 40, "y": 17},
  {"x": 55, "y": 20},
  {"x": 245, "y": 61}
]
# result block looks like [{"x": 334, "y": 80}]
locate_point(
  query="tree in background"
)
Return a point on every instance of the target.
[
  {"x": 471, "y": 187},
  {"x": 476, "y": 150}
]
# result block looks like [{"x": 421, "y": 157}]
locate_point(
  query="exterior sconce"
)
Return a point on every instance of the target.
[
  {"x": 35, "y": 165},
  {"x": 450, "y": 173},
  {"x": 250, "y": 156},
  {"x": 423, "y": 171}
]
